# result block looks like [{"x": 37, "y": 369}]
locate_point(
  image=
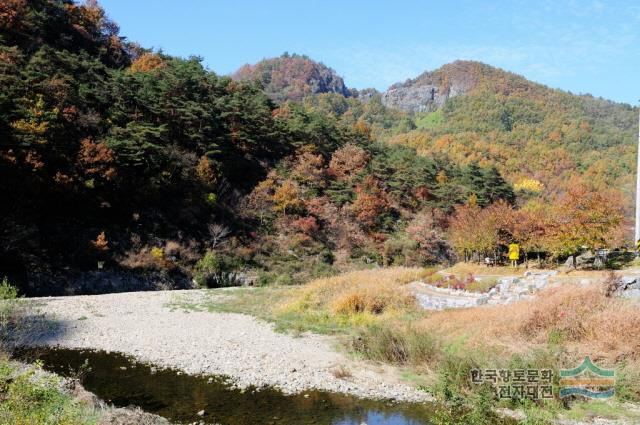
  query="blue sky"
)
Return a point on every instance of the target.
[{"x": 585, "y": 46}]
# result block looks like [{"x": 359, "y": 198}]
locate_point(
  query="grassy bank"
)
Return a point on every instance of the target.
[
  {"x": 377, "y": 318},
  {"x": 31, "y": 396},
  {"x": 28, "y": 395}
]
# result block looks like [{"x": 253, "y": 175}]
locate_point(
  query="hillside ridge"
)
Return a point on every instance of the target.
[{"x": 292, "y": 77}]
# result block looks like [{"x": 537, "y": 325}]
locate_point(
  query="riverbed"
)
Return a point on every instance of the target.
[
  {"x": 182, "y": 398},
  {"x": 247, "y": 350}
]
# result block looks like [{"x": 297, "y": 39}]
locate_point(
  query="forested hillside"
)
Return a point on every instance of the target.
[
  {"x": 292, "y": 77},
  {"x": 158, "y": 170},
  {"x": 528, "y": 130}
]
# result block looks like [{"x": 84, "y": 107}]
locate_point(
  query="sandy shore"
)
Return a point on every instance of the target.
[{"x": 241, "y": 347}]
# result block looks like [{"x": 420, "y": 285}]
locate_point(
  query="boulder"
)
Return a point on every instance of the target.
[
  {"x": 584, "y": 259},
  {"x": 629, "y": 282},
  {"x": 631, "y": 293},
  {"x": 626, "y": 287}
]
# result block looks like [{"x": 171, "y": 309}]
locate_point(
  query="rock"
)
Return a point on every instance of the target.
[
  {"x": 429, "y": 91},
  {"x": 629, "y": 282},
  {"x": 509, "y": 289},
  {"x": 201, "y": 413},
  {"x": 504, "y": 284},
  {"x": 81, "y": 395},
  {"x": 581, "y": 260},
  {"x": 122, "y": 416},
  {"x": 630, "y": 293},
  {"x": 110, "y": 415}
]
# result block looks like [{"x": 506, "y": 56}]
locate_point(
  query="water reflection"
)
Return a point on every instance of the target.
[{"x": 179, "y": 397}]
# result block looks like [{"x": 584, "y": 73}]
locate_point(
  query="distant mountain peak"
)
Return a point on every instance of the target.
[
  {"x": 292, "y": 77},
  {"x": 431, "y": 89}
]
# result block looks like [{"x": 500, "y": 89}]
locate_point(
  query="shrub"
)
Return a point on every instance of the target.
[
  {"x": 215, "y": 271},
  {"x": 307, "y": 225},
  {"x": 395, "y": 344},
  {"x": 353, "y": 299},
  {"x": 431, "y": 246},
  {"x": 139, "y": 259},
  {"x": 15, "y": 328},
  {"x": 160, "y": 260},
  {"x": 7, "y": 291},
  {"x": 454, "y": 282},
  {"x": 536, "y": 415},
  {"x": 8, "y": 309},
  {"x": 326, "y": 256},
  {"x": 399, "y": 251},
  {"x": 32, "y": 397},
  {"x": 157, "y": 253},
  {"x": 100, "y": 244},
  {"x": 172, "y": 248},
  {"x": 340, "y": 372},
  {"x": 284, "y": 279},
  {"x": 628, "y": 381},
  {"x": 211, "y": 199},
  {"x": 374, "y": 291},
  {"x": 483, "y": 285},
  {"x": 454, "y": 370},
  {"x": 371, "y": 300}
]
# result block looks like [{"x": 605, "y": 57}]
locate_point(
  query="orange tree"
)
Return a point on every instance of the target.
[{"x": 584, "y": 219}]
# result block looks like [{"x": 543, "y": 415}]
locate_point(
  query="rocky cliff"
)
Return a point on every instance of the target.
[{"x": 430, "y": 90}]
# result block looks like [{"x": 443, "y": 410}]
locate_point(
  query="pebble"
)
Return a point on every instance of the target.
[{"x": 241, "y": 348}]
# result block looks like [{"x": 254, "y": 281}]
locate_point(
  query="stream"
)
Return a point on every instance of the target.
[{"x": 123, "y": 382}]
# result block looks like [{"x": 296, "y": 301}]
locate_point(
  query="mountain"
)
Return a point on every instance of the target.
[
  {"x": 292, "y": 77},
  {"x": 471, "y": 112},
  {"x": 430, "y": 90},
  {"x": 122, "y": 168}
]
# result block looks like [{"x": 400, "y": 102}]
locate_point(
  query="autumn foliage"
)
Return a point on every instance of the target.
[
  {"x": 146, "y": 62},
  {"x": 100, "y": 134},
  {"x": 579, "y": 219},
  {"x": 347, "y": 162}
]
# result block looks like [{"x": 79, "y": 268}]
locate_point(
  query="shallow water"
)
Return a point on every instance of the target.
[{"x": 178, "y": 397}]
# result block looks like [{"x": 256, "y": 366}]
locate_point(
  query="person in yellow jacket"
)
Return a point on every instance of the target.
[{"x": 514, "y": 254}]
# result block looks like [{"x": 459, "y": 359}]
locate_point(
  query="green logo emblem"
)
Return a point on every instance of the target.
[{"x": 587, "y": 380}]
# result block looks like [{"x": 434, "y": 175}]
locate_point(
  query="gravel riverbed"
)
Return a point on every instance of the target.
[{"x": 240, "y": 347}]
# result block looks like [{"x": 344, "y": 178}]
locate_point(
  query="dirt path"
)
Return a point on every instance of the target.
[{"x": 241, "y": 347}]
